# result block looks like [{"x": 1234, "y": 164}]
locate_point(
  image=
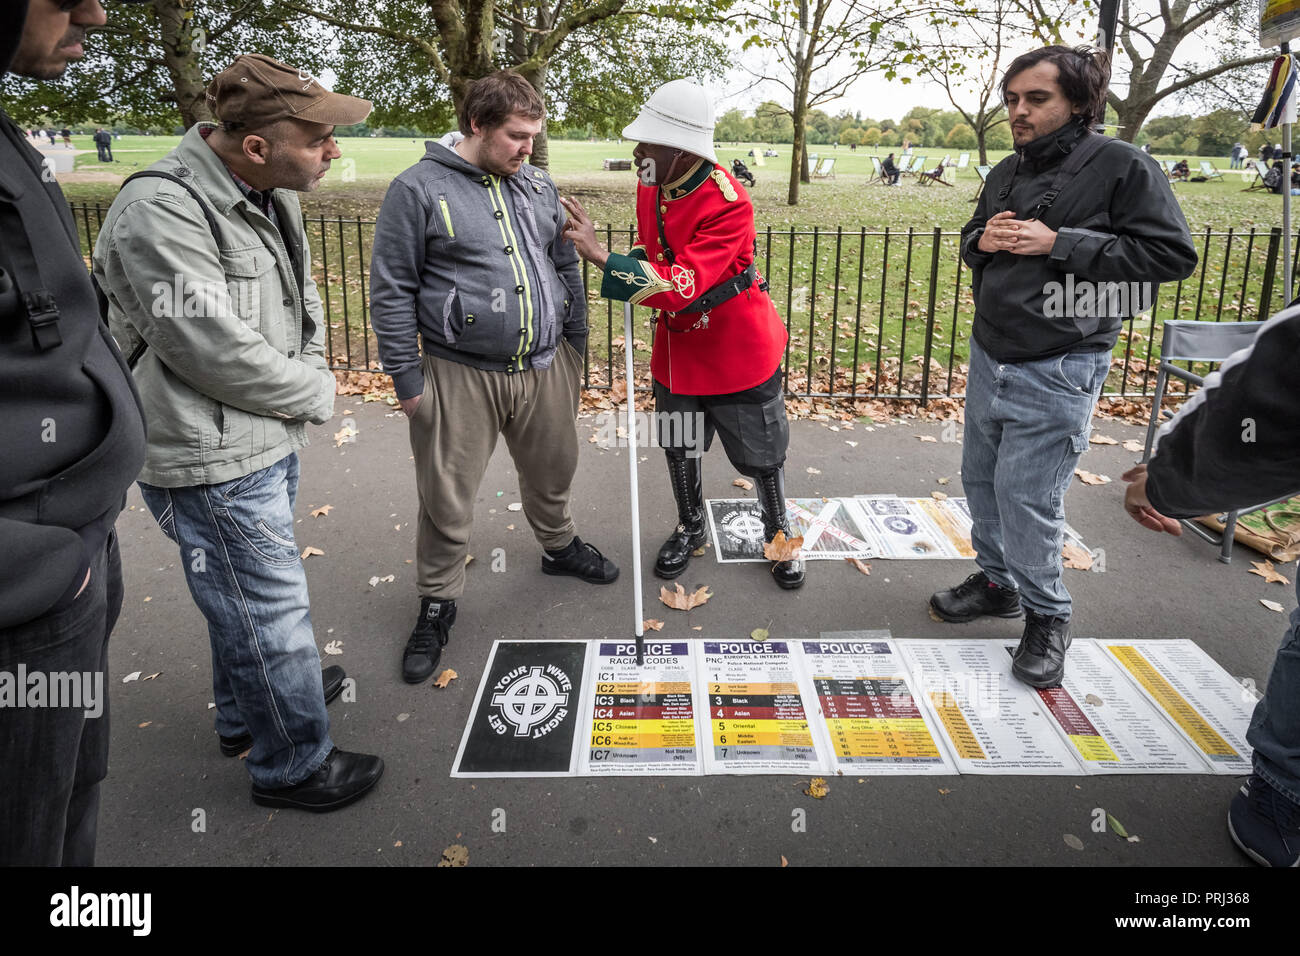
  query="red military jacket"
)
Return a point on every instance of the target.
[{"x": 709, "y": 224}]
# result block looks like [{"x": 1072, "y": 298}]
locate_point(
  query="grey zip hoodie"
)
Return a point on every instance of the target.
[{"x": 473, "y": 266}]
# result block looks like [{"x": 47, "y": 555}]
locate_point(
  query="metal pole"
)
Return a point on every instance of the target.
[
  {"x": 632, "y": 451},
  {"x": 1286, "y": 204}
]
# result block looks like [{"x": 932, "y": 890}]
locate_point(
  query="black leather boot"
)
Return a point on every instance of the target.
[
  {"x": 686, "y": 475},
  {"x": 771, "y": 500},
  {"x": 1039, "y": 661}
]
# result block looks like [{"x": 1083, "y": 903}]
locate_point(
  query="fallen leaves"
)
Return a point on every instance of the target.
[
  {"x": 817, "y": 788},
  {"x": 308, "y": 551},
  {"x": 943, "y": 481},
  {"x": 760, "y": 634},
  {"x": 1116, "y": 826},
  {"x": 1073, "y": 842},
  {"x": 1272, "y": 606},
  {"x": 859, "y": 564},
  {"x": 938, "y": 496},
  {"x": 781, "y": 548},
  {"x": 1102, "y": 440},
  {"x": 334, "y": 647},
  {"x": 454, "y": 855},
  {"x": 515, "y": 506},
  {"x": 1076, "y": 557},
  {"x": 345, "y": 434},
  {"x": 134, "y": 675},
  {"x": 928, "y": 438},
  {"x": 1132, "y": 444},
  {"x": 388, "y": 578},
  {"x": 445, "y": 678},
  {"x": 322, "y": 511},
  {"x": 151, "y": 676},
  {"x": 784, "y": 861},
  {"x": 652, "y": 624},
  {"x": 1088, "y": 478},
  {"x": 144, "y": 724},
  {"x": 1265, "y": 570},
  {"x": 681, "y": 601},
  {"x": 744, "y": 483},
  {"x": 813, "y": 471}
]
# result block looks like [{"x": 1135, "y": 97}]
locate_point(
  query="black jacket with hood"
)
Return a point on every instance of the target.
[
  {"x": 1119, "y": 232},
  {"x": 71, "y": 427}
]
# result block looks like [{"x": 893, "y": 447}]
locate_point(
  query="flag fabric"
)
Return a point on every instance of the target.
[{"x": 1278, "y": 105}]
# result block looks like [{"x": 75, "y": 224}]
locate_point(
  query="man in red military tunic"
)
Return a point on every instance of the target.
[{"x": 718, "y": 340}]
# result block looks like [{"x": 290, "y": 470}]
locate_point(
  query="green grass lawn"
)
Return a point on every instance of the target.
[{"x": 857, "y": 301}]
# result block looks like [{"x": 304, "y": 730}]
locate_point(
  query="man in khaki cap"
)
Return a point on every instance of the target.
[{"x": 208, "y": 278}]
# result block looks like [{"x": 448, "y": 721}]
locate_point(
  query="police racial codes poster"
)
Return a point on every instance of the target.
[
  {"x": 641, "y": 720},
  {"x": 527, "y": 711}
]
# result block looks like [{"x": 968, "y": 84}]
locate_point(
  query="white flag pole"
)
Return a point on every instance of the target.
[{"x": 632, "y": 451}]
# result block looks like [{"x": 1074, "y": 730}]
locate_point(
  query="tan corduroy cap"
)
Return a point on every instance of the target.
[{"x": 256, "y": 90}]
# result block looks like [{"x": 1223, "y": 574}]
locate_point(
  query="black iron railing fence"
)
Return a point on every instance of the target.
[{"x": 871, "y": 313}]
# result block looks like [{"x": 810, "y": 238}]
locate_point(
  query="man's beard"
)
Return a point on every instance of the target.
[{"x": 53, "y": 68}]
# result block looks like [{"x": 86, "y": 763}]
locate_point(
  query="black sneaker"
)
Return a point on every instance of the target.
[
  {"x": 1039, "y": 661},
  {"x": 975, "y": 597},
  {"x": 331, "y": 679},
  {"x": 424, "y": 647},
  {"x": 580, "y": 560},
  {"x": 341, "y": 779},
  {"x": 1265, "y": 824}
]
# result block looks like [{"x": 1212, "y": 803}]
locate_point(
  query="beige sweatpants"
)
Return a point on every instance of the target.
[{"x": 453, "y": 434}]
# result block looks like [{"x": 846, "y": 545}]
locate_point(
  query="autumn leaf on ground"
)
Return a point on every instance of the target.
[
  {"x": 454, "y": 855},
  {"x": 445, "y": 678},
  {"x": 375, "y": 579},
  {"x": 1073, "y": 842},
  {"x": 1273, "y": 606},
  {"x": 322, "y": 511},
  {"x": 927, "y": 438},
  {"x": 134, "y": 675},
  {"x": 1265, "y": 570},
  {"x": 1076, "y": 557},
  {"x": 308, "y": 551},
  {"x": 346, "y": 433},
  {"x": 743, "y": 483},
  {"x": 943, "y": 481},
  {"x": 145, "y": 724},
  {"x": 681, "y": 601},
  {"x": 334, "y": 647},
  {"x": 698, "y": 553},
  {"x": 859, "y": 564},
  {"x": 618, "y": 392},
  {"x": 781, "y": 548},
  {"x": 759, "y": 634},
  {"x": 1088, "y": 478},
  {"x": 651, "y": 624},
  {"x": 1132, "y": 444},
  {"x": 784, "y": 861},
  {"x": 813, "y": 471},
  {"x": 817, "y": 788},
  {"x": 938, "y": 496},
  {"x": 152, "y": 676},
  {"x": 1102, "y": 440}
]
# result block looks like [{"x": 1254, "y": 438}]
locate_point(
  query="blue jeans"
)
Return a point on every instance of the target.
[
  {"x": 53, "y": 758},
  {"x": 1027, "y": 423},
  {"x": 242, "y": 565},
  {"x": 1275, "y": 726}
]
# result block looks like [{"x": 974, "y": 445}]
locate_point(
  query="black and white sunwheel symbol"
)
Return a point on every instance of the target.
[{"x": 744, "y": 526}]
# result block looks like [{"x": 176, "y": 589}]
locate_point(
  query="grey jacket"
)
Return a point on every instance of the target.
[
  {"x": 236, "y": 360},
  {"x": 473, "y": 266}
]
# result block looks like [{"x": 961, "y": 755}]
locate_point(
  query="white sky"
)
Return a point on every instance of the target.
[{"x": 879, "y": 98}]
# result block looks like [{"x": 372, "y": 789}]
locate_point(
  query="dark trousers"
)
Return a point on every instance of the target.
[
  {"x": 53, "y": 757},
  {"x": 105, "y": 152},
  {"x": 752, "y": 424}
]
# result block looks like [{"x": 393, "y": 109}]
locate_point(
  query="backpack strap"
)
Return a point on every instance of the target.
[
  {"x": 138, "y": 352},
  {"x": 1084, "y": 150}
]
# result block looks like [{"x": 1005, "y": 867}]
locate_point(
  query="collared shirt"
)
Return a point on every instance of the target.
[{"x": 260, "y": 198}]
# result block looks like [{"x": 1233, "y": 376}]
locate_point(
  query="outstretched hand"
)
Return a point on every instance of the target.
[
  {"x": 1139, "y": 506},
  {"x": 582, "y": 232}
]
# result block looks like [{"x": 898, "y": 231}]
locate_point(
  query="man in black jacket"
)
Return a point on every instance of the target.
[
  {"x": 1063, "y": 246},
  {"x": 1234, "y": 444},
  {"x": 73, "y": 435}
]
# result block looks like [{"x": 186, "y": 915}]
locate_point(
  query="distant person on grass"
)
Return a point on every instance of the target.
[{"x": 1037, "y": 366}]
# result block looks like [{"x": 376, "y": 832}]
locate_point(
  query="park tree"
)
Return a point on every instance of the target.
[
  {"x": 871, "y": 137},
  {"x": 1219, "y": 131},
  {"x": 772, "y": 123},
  {"x": 819, "y": 47},
  {"x": 962, "y": 136},
  {"x": 1147, "y": 41},
  {"x": 150, "y": 65},
  {"x": 734, "y": 126},
  {"x": 416, "y": 58},
  {"x": 851, "y": 137}
]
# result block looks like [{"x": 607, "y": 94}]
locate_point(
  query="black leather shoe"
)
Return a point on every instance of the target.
[
  {"x": 331, "y": 679},
  {"x": 771, "y": 501},
  {"x": 686, "y": 477},
  {"x": 430, "y": 636},
  {"x": 580, "y": 560},
  {"x": 342, "y": 778},
  {"x": 977, "y": 596},
  {"x": 1039, "y": 661}
]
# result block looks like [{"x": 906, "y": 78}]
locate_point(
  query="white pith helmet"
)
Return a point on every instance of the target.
[{"x": 678, "y": 114}]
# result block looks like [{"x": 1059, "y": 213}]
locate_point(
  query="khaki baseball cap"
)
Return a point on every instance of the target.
[{"x": 256, "y": 90}]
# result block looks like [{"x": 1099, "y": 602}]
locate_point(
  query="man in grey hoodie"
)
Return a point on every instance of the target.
[{"x": 469, "y": 262}]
